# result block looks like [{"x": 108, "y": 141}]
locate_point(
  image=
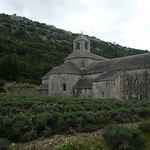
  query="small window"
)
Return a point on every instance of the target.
[
  {"x": 140, "y": 97},
  {"x": 103, "y": 95},
  {"x": 86, "y": 46},
  {"x": 127, "y": 97},
  {"x": 64, "y": 87},
  {"x": 83, "y": 63},
  {"x": 52, "y": 88},
  {"x": 127, "y": 82},
  {"x": 136, "y": 81},
  {"x": 78, "y": 46}
]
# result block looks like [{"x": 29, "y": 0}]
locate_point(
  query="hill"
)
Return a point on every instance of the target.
[{"x": 29, "y": 49}]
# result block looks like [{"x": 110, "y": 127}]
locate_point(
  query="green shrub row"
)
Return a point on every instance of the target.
[
  {"x": 28, "y": 117},
  {"x": 120, "y": 138}
]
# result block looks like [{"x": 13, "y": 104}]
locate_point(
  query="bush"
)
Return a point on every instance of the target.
[
  {"x": 4, "y": 144},
  {"x": 74, "y": 146},
  {"x": 44, "y": 124},
  {"x": 6, "y": 126},
  {"x": 2, "y": 90},
  {"x": 120, "y": 138},
  {"x": 21, "y": 125},
  {"x": 145, "y": 126},
  {"x": 92, "y": 143},
  {"x": 31, "y": 135},
  {"x": 2, "y": 82}
]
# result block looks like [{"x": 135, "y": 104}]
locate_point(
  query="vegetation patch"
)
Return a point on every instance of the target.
[
  {"x": 4, "y": 144},
  {"x": 120, "y": 138},
  {"x": 29, "y": 117},
  {"x": 23, "y": 86}
]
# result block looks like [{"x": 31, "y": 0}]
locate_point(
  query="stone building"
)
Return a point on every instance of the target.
[{"x": 84, "y": 74}]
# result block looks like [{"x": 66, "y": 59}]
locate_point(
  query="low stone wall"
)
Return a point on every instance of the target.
[{"x": 22, "y": 90}]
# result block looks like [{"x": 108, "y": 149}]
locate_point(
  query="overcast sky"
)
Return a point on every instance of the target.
[{"x": 126, "y": 22}]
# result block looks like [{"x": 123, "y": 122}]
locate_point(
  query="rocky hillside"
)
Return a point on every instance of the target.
[{"x": 29, "y": 49}]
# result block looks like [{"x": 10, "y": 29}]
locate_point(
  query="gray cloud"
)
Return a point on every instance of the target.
[{"x": 123, "y": 21}]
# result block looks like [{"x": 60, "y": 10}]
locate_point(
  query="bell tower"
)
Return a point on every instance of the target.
[{"x": 81, "y": 43}]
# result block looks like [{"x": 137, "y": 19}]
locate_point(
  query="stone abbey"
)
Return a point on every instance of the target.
[{"x": 84, "y": 74}]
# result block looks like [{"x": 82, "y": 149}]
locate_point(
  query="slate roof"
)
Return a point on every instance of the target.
[
  {"x": 46, "y": 76},
  {"x": 65, "y": 68},
  {"x": 129, "y": 62},
  {"x": 85, "y": 54},
  {"x": 83, "y": 83},
  {"x": 108, "y": 75}
]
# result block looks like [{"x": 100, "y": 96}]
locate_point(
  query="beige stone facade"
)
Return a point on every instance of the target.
[{"x": 84, "y": 74}]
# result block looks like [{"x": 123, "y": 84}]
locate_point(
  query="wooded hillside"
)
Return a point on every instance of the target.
[{"x": 29, "y": 49}]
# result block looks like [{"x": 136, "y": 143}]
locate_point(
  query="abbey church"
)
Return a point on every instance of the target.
[{"x": 87, "y": 75}]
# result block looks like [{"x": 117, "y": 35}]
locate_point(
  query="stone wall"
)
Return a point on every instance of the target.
[
  {"x": 118, "y": 87},
  {"x": 137, "y": 84},
  {"x": 21, "y": 90},
  {"x": 103, "y": 89},
  {"x": 84, "y": 93},
  {"x": 45, "y": 81},
  {"x": 82, "y": 62},
  {"x": 25, "y": 88},
  {"x": 62, "y": 84}
]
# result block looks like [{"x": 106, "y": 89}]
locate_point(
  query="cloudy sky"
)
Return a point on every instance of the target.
[{"x": 126, "y": 22}]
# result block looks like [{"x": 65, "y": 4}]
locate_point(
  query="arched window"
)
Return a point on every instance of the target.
[
  {"x": 103, "y": 95},
  {"x": 127, "y": 97},
  {"x": 86, "y": 46},
  {"x": 127, "y": 82},
  {"x": 140, "y": 97},
  {"x": 52, "y": 88},
  {"x": 78, "y": 45},
  {"x": 136, "y": 81},
  {"x": 64, "y": 87}
]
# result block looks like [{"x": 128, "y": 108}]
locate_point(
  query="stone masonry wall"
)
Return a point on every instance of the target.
[
  {"x": 136, "y": 84},
  {"x": 57, "y": 82}
]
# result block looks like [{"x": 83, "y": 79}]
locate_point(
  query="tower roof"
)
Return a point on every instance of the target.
[
  {"x": 85, "y": 54},
  {"x": 81, "y": 37}
]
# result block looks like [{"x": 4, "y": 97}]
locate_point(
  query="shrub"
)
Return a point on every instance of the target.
[
  {"x": 24, "y": 86},
  {"x": 74, "y": 146},
  {"x": 145, "y": 126},
  {"x": 2, "y": 90},
  {"x": 44, "y": 123},
  {"x": 4, "y": 144},
  {"x": 120, "y": 138},
  {"x": 21, "y": 125},
  {"x": 31, "y": 135},
  {"x": 92, "y": 143},
  {"x": 6, "y": 127},
  {"x": 144, "y": 112},
  {"x": 2, "y": 82}
]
